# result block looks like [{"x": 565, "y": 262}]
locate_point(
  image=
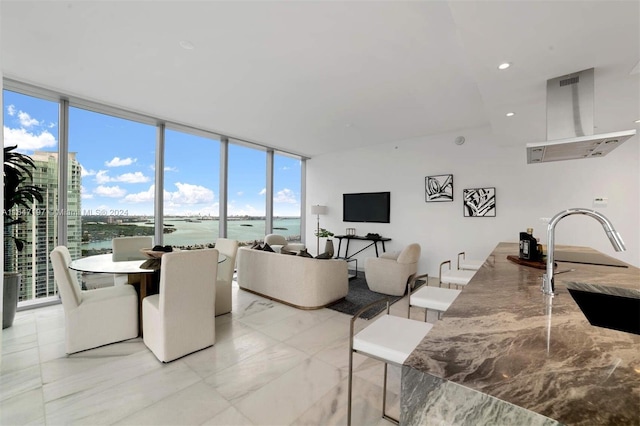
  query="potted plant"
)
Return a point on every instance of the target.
[
  {"x": 323, "y": 233},
  {"x": 19, "y": 195}
]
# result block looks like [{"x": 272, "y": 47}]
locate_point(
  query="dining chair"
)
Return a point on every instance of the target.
[
  {"x": 181, "y": 318},
  {"x": 93, "y": 317},
  {"x": 225, "y": 274},
  {"x": 128, "y": 248}
]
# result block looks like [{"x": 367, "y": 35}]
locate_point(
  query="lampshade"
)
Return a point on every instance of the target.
[{"x": 318, "y": 209}]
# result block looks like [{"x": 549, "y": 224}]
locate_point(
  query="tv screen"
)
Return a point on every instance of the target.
[{"x": 366, "y": 207}]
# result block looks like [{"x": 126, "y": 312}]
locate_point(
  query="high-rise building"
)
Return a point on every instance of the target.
[{"x": 41, "y": 226}]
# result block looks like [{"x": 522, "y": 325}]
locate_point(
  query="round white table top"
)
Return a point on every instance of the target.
[{"x": 103, "y": 263}]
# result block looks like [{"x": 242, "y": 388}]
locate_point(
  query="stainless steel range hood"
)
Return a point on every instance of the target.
[{"x": 570, "y": 122}]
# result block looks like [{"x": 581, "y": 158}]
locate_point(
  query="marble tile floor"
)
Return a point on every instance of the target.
[{"x": 271, "y": 365}]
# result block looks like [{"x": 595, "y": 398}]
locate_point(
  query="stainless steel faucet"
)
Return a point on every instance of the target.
[{"x": 614, "y": 237}]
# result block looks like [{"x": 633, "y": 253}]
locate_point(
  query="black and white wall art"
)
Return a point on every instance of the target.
[
  {"x": 479, "y": 202},
  {"x": 438, "y": 188}
]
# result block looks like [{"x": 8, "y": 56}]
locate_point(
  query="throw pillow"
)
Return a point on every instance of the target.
[
  {"x": 325, "y": 255},
  {"x": 267, "y": 247},
  {"x": 304, "y": 253},
  {"x": 285, "y": 251},
  {"x": 256, "y": 245}
]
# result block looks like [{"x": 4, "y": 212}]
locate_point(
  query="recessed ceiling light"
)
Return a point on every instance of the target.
[
  {"x": 510, "y": 114},
  {"x": 187, "y": 45},
  {"x": 637, "y": 121},
  {"x": 504, "y": 66}
]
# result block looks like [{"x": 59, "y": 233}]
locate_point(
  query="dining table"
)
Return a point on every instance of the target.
[{"x": 147, "y": 268}]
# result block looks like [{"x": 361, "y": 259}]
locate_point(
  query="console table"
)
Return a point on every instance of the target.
[{"x": 373, "y": 242}]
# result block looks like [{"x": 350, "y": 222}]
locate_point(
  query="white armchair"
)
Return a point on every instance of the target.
[
  {"x": 225, "y": 274},
  {"x": 390, "y": 272},
  {"x": 128, "y": 248},
  {"x": 278, "y": 242},
  {"x": 96, "y": 317},
  {"x": 181, "y": 318}
]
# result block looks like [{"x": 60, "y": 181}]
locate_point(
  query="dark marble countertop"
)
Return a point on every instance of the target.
[{"x": 503, "y": 338}]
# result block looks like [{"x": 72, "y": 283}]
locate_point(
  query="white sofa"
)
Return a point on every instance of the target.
[{"x": 301, "y": 282}]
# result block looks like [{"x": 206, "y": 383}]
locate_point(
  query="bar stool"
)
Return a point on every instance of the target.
[
  {"x": 434, "y": 298},
  {"x": 389, "y": 339},
  {"x": 457, "y": 276},
  {"x": 469, "y": 264}
]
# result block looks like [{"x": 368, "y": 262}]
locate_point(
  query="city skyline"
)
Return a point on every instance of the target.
[{"x": 124, "y": 180}]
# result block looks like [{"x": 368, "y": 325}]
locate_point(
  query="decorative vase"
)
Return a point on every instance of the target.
[
  {"x": 11, "y": 287},
  {"x": 328, "y": 247}
]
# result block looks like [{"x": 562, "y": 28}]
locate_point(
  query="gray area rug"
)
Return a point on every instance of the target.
[{"x": 360, "y": 296}]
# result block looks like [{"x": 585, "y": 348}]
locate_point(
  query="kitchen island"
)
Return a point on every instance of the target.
[{"x": 506, "y": 354}]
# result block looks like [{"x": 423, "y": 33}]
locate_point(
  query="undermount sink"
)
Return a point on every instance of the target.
[{"x": 608, "y": 306}]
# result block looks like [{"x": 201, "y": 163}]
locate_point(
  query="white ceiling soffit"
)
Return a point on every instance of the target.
[{"x": 319, "y": 77}]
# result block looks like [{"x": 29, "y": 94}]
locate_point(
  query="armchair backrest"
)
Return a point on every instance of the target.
[
  {"x": 230, "y": 249},
  {"x": 275, "y": 240},
  {"x": 410, "y": 254},
  {"x": 128, "y": 248},
  {"x": 187, "y": 283},
  {"x": 68, "y": 286}
]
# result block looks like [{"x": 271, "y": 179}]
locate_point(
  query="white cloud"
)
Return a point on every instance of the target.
[
  {"x": 11, "y": 110},
  {"x": 239, "y": 193},
  {"x": 142, "y": 197},
  {"x": 170, "y": 169},
  {"x": 190, "y": 194},
  {"x": 26, "y": 120},
  {"x": 84, "y": 172},
  {"x": 84, "y": 194},
  {"x": 110, "y": 191},
  {"x": 118, "y": 162},
  {"x": 28, "y": 141},
  {"x": 186, "y": 194},
  {"x": 136, "y": 177},
  {"x": 285, "y": 196},
  {"x": 262, "y": 191},
  {"x": 246, "y": 210},
  {"x": 101, "y": 177}
]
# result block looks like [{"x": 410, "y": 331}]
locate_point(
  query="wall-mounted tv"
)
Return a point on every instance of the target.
[{"x": 366, "y": 207}]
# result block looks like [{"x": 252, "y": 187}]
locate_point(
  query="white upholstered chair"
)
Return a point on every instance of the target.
[
  {"x": 181, "y": 318},
  {"x": 95, "y": 317},
  {"x": 277, "y": 242},
  {"x": 390, "y": 272},
  {"x": 128, "y": 248},
  {"x": 225, "y": 274}
]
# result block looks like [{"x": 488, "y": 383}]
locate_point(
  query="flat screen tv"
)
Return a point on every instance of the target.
[{"x": 366, "y": 207}]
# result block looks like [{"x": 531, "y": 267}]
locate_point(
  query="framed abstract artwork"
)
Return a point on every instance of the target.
[
  {"x": 438, "y": 188},
  {"x": 479, "y": 202}
]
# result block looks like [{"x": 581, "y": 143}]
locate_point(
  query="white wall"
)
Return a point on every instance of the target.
[{"x": 524, "y": 193}]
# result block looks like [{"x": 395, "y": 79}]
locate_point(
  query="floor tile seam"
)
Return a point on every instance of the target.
[
  {"x": 123, "y": 414},
  {"x": 94, "y": 391},
  {"x": 107, "y": 377}
]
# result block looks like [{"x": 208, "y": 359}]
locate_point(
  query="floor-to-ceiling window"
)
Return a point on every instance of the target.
[
  {"x": 191, "y": 182},
  {"x": 116, "y": 159},
  {"x": 247, "y": 173},
  {"x": 31, "y": 124},
  {"x": 110, "y": 157},
  {"x": 286, "y": 196}
]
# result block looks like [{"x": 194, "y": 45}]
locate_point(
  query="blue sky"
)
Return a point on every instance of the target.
[{"x": 118, "y": 163}]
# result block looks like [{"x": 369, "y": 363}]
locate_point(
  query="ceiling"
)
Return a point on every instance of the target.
[{"x": 316, "y": 77}]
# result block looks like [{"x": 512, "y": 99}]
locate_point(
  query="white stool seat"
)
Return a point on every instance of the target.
[
  {"x": 471, "y": 264},
  {"x": 457, "y": 277},
  {"x": 390, "y": 338},
  {"x": 435, "y": 298}
]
